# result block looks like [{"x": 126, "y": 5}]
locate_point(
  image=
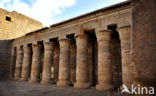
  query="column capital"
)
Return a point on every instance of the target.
[
  {"x": 26, "y": 49},
  {"x": 64, "y": 41},
  {"x": 49, "y": 45},
  {"x": 82, "y": 40},
  {"x": 124, "y": 32},
  {"x": 36, "y": 45},
  {"x": 103, "y": 35},
  {"x": 19, "y": 50}
]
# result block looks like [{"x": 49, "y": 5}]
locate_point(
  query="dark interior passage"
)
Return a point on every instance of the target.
[
  {"x": 42, "y": 59},
  {"x": 92, "y": 57},
  {"x": 116, "y": 56},
  {"x": 29, "y": 67},
  {"x": 72, "y": 58},
  {"x": 13, "y": 61},
  {"x": 55, "y": 60}
]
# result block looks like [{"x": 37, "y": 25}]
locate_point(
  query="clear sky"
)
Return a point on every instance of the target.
[{"x": 52, "y": 11}]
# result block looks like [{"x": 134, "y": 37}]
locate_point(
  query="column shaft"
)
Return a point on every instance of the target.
[
  {"x": 64, "y": 63},
  {"x": 124, "y": 33},
  {"x": 105, "y": 78},
  {"x": 35, "y": 68},
  {"x": 82, "y": 71},
  {"x": 19, "y": 61},
  {"x": 26, "y": 64},
  {"x": 47, "y": 65}
]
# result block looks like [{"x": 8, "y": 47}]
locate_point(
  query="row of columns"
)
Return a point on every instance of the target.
[{"x": 105, "y": 78}]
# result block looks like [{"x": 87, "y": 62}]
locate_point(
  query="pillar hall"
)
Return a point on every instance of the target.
[{"x": 96, "y": 57}]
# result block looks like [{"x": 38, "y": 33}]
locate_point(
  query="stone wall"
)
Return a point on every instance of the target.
[
  {"x": 13, "y": 24},
  {"x": 144, "y": 41},
  {"x": 119, "y": 14},
  {"x": 5, "y": 54}
]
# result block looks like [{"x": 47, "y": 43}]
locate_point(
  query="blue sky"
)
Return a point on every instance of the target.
[{"x": 52, "y": 11}]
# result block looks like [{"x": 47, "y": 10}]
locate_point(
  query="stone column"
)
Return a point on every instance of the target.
[
  {"x": 125, "y": 40},
  {"x": 105, "y": 79},
  {"x": 19, "y": 60},
  {"x": 82, "y": 70},
  {"x": 47, "y": 64},
  {"x": 26, "y": 64},
  {"x": 36, "y": 60},
  {"x": 64, "y": 63}
]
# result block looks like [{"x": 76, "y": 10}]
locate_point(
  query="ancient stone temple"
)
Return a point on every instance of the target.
[
  {"x": 96, "y": 49},
  {"x": 89, "y": 50}
]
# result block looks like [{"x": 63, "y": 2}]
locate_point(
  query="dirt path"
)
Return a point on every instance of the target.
[{"x": 12, "y": 88}]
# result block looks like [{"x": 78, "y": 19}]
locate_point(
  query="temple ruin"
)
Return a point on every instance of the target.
[{"x": 92, "y": 50}]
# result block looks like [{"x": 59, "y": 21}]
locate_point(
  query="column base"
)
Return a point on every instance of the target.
[
  {"x": 46, "y": 82},
  {"x": 82, "y": 85},
  {"x": 54, "y": 82},
  {"x": 64, "y": 83},
  {"x": 23, "y": 79},
  {"x": 104, "y": 87},
  {"x": 33, "y": 81},
  {"x": 16, "y": 78}
]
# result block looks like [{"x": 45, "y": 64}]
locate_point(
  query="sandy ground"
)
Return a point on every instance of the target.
[{"x": 12, "y": 88}]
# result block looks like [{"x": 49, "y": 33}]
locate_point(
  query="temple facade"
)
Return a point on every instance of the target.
[
  {"x": 104, "y": 49},
  {"x": 89, "y": 50}
]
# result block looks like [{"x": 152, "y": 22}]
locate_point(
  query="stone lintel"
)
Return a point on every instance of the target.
[
  {"x": 25, "y": 45},
  {"x": 124, "y": 26},
  {"x": 102, "y": 29},
  {"x": 46, "y": 40},
  {"x": 34, "y": 43},
  {"x": 60, "y": 39}
]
